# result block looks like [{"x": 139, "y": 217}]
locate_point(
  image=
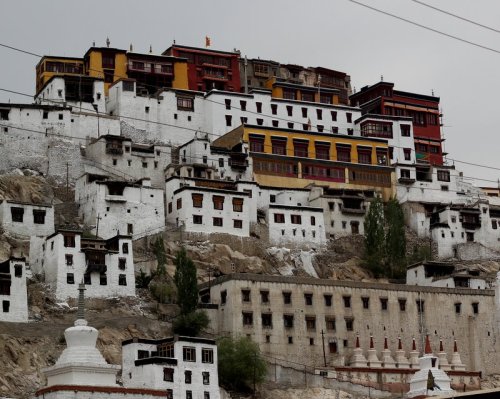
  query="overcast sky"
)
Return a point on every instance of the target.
[{"x": 336, "y": 34}]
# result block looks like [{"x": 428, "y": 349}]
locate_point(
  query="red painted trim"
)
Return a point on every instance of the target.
[{"x": 90, "y": 388}]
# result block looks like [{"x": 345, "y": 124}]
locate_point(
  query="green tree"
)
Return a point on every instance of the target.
[
  {"x": 161, "y": 256},
  {"x": 395, "y": 239},
  {"x": 374, "y": 237},
  {"x": 186, "y": 283},
  {"x": 191, "y": 324},
  {"x": 143, "y": 280},
  {"x": 240, "y": 363}
]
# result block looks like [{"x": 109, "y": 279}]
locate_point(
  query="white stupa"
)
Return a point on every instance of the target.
[
  {"x": 81, "y": 363},
  {"x": 430, "y": 380}
]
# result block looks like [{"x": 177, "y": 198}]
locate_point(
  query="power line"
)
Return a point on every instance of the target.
[
  {"x": 456, "y": 16},
  {"x": 426, "y": 27},
  {"x": 20, "y": 50}
]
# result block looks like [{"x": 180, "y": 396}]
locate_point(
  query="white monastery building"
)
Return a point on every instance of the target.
[
  {"x": 26, "y": 219},
  {"x": 13, "y": 293},
  {"x": 120, "y": 207},
  {"x": 184, "y": 367},
  {"x": 106, "y": 266}
]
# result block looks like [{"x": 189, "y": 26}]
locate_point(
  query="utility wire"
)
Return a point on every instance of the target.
[
  {"x": 426, "y": 27},
  {"x": 456, "y": 16}
]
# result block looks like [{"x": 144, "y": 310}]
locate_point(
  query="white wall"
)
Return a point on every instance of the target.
[
  {"x": 27, "y": 227},
  {"x": 18, "y": 298},
  {"x": 141, "y": 206}
]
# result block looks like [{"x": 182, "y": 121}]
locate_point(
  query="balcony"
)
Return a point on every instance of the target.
[
  {"x": 156, "y": 360},
  {"x": 218, "y": 75},
  {"x": 353, "y": 211},
  {"x": 115, "y": 198},
  {"x": 238, "y": 161},
  {"x": 406, "y": 180},
  {"x": 115, "y": 150}
]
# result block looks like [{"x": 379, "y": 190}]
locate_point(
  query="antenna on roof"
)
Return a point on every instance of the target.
[
  {"x": 108, "y": 42},
  {"x": 432, "y": 92},
  {"x": 93, "y": 43},
  {"x": 381, "y": 78},
  {"x": 131, "y": 47},
  {"x": 150, "y": 49}
]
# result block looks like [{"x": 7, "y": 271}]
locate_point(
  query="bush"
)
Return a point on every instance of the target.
[
  {"x": 163, "y": 292},
  {"x": 240, "y": 363},
  {"x": 143, "y": 280},
  {"x": 191, "y": 324}
]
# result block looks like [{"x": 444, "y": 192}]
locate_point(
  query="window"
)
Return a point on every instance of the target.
[
  {"x": 18, "y": 270},
  {"x": 228, "y": 103},
  {"x": 407, "y": 153},
  {"x": 405, "y": 174},
  {"x": 279, "y": 218},
  {"x": 247, "y": 318},
  {"x": 405, "y": 130},
  {"x": 494, "y": 224},
  {"x": 130, "y": 228},
  {"x": 290, "y": 339},
  {"x": 223, "y": 297},
  {"x": 256, "y": 143},
  {"x": 179, "y": 203},
  {"x": 365, "y": 155},
  {"x": 274, "y": 109},
  {"x": 217, "y": 222},
  {"x": 319, "y": 114},
  {"x": 188, "y": 377},
  {"x": 197, "y": 200},
  {"x": 267, "y": 320},
  {"x": 45, "y": 115},
  {"x": 243, "y": 105},
  {"x": 206, "y": 395},
  {"x": 347, "y": 301},
  {"x": 69, "y": 241},
  {"x": 245, "y": 295},
  {"x": 17, "y": 214},
  {"x": 308, "y": 298},
  {"x": 38, "y": 216},
  {"x": 69, "y": 260},
  {"x": 237, "y": 224},
  {"x": 383, "y": 303},
  {"x": 350, "y": 131},
  {"x": 185, "y": 104},
  {"x": 458, "y": 307},
  {"x": 330, "y": 323},
  {"x": 264, "y": 296},
  {"x": 168, "y": 374},
  {"x": 122, "y": 263},
  {"x": 206, "y": 377},
  {"x": 402, "y": 304},
  {"x": 207, "y": 355},
  {"x": 170, "y": 394},
  {"x": 229, "y": 119},
  {"x": 349, "y": 324},
  {"x": 289, "y": 110},
  {"x": 258, "y": 105},
  {"x": 87, "y": 280},
  {"x": 475, "y": 307},
  {"x": 145, "y": 165},
  {"x": 218, "y": 201},
  {"x": 343, "y": 153},
  {"x": 287, "y": 298},
  {"x": 304, "y": 112},
  {"x": 328, "y": 299},
  {"x": 443, "y": 175},
  {"x": 103, "y": 279},
  {"x": 290, "y": 125},
  {"x": 278, "y": 145},
  {"x": 272, "y": 198},
  {"x": 189, "y": 394},
  {"x": 420, "y": 306},
  {"x": 189, "y": 354},
  {"x": 348, "y": 116},
  {"x": 322, "y": 150},
  {"x": 237, "y": 204},
  {"x": 300, "y": 148},
  {"x": 311, "y": 323},
  {"x": 70, "y": 278},
  {"x": 288, "y": 320},
  {"x": 296, "y": 219},
  {"x": 313, "y": 221},
  {"x": 197, "y": 219},
  {"x": 366, "y": 302},
  {"x": 122, "y": 279}
]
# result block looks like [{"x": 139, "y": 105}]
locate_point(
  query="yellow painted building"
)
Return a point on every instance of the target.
[
  {"x": 50, "y": 66},
  {"x": 290, "y": 158},
  {"x": 299, "y": 92},
  {"x": 152, "y": 72}
]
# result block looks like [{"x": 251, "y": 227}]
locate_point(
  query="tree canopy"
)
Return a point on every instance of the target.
[
  {"x": 186, "y": 283},
  {"x": 240, "y": 363}
]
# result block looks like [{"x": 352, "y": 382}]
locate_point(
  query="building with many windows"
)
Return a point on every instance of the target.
[
  {"x": 382, "y": 99},
  {"x": 26, "y": 219},
  {"x": 67, "y": 257},
  {"x": 298, "y": 319},
  {"x": 294, "y": 159},
  {"x": 183, "y": 367},
  {"x": 209, "y": 69}
]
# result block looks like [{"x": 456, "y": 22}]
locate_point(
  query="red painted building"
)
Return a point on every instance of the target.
[
  {"x": 382, "y": 99},
  {"x": 209, "y": 69}
]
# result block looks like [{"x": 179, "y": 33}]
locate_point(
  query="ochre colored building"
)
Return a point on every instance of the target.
[
  {"x": 50, "y": 66},
  {"x": 209, "y": 69},
  {"x": 290, "y": 158}
]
